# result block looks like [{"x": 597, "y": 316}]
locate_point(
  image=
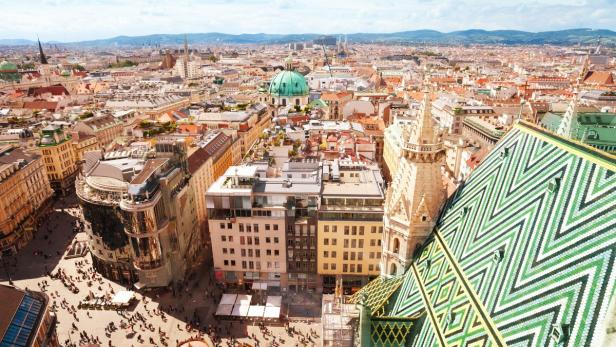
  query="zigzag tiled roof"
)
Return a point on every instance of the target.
[{"x": 522, "y": 254}]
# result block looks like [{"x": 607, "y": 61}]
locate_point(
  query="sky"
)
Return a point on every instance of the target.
[{"x": 77, "y": 20}]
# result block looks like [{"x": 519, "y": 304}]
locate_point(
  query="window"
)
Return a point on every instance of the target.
[
  {"x": 334, "y": 242},
  {"x": 370, "y": 267},
  {"x": 333, "y": 266},
  {"x": 223, "y": 238},
  {"x": 380, "y": 230},
  {"x": 346, "y": 229},
  {"x": 268, "y": 252},
  {"x": 275, "y": 227},
  {"x": 378, "y": 242},
  {"x": 353, "y": 243},
  {"x": 257, "y": 240},
  {"x": 230, "y": 238},
  {"x": 354, "y": 230},
  {"x": 229, "y": 226},
  {"x": 275, "y": 240},
  {"x": 378, "y": 255},
  {"x": 373, "y": 229},
  {"x": 241, "y": 227},
  {"x": 267, "y": 240},
  {"x": 345, "y": 268},
  {"x": 251, "y": 265},
  {"x": 334, "y": 228},
  {"x": 222, "y": 225},
  {"x": 359, "y": 268},
  {"x": 325, "y": 254},
  {"x": 232, "y": 262},
  {"x": 325, "y": 266},
  {"x": 372, "y": 243},
  {"x": 360, "y": 256},
  {"x": 242, "y": 241},
  {"x": 232, "y": 250},
  {"x": 361, "y": 243},
  {"x": 258, "y": 253},
  {"x": 326, "y": 228},
  {"x": 226, "y": 262},
  {"x": 256, "y": 228},
  {"x": 249, "y": 239},
  {"x": 267, "y": 227},
  {"x": 224, "y": 251},
  {"x": 333, "y": 254},
  {"x": 248, "y": 228},
  {"x": 243, "y": 264},
  {"x": 345, "y": 256},
  {"x": 352, "y": 267},
  {"x": 243, "y": 252},
  {"x": 346, "y": 243},
  {"x": 361, "y": 230},
  {"x": 325, "y": 241},
  {"x": 276, "y": 252},
  {"x": 371, "y": 255}
]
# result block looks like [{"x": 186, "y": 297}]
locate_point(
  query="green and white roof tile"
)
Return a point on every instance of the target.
[{"x": 522, "y": 255}]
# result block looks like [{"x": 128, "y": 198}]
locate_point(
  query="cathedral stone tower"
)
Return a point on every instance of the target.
[{"x": 416, "y": 192}]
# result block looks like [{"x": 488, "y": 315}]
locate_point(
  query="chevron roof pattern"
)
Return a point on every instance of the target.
[{"x": 522, "y": 255}]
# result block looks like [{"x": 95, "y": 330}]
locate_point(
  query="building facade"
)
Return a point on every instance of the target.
[
  {"x": 140, "y": 215},
  {"x": 350, "y": 225},
  {"x": 59, "y": 157},
  {"x": 24, "y": 191}
]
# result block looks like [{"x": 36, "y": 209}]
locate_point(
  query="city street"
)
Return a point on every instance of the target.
[{"x": 159, "y": 318}]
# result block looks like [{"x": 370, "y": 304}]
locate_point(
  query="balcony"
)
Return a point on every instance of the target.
[{"x": 424, "y": 148}]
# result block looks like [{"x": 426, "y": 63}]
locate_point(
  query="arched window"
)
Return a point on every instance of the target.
[
  {"x": 393, "y": 269},
  {"x": 396, "y": 247}
]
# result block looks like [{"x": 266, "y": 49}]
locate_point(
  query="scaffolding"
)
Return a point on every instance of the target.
[{"x": 339, "y": 321}]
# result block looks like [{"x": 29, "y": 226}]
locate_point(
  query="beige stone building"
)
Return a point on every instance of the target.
[
  {"x": 350, "y": 225},
  {"x": 24, "y": 190},
  {"x": 105, "y": 128},
  {"x": 59, "y": 158},
  {"x": 416, "y": 192}
]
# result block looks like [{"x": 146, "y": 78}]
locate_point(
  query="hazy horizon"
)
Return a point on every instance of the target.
[{"x": 73, "y": 20}]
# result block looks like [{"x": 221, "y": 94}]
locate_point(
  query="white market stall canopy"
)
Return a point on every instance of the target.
[
  {"x": 271, "y": 312},
  {"x": 255, "y": 311},
  {"x": 243, "y": 299},
  {"x": 123, "y": 297},
  {"x": 224, "y": 310},
  {"x": 240, "y": 310},
  {"x": 228, "y": 299},
  {"x": 274, "y": 301}
]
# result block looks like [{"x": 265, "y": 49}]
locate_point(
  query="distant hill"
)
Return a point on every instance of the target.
[{"x": 477, "y": 36}]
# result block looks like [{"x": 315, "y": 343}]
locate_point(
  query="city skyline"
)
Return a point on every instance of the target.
[{"x": 109, "y": 18}]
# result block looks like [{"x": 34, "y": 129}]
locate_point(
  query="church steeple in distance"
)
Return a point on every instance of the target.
[{"x": 43, "y": 57}]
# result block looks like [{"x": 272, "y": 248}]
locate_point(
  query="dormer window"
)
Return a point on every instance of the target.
[{"x": 553, "y": 185}]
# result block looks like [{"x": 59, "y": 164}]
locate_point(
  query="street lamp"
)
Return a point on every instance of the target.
[{"x": 6, "y": 269}]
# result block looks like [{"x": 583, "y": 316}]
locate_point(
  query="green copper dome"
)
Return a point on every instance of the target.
[
  {"x": 6, "y": 66},
  {"x": 288, "y": 83},
  {"x": 8, "y": 72}
]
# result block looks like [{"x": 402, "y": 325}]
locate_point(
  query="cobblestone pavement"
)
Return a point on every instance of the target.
[{"x": 156, "y": 313}]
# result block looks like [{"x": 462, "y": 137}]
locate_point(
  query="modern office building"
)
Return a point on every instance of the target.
[
  {"x": 140, "y": 214},
  {"x": 26, "y": 319},
  {"x": 264, "y": 228},
  {"x": 24, "y": 191}
]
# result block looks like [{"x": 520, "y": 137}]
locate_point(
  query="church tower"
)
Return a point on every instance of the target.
[
  {"x": 415, "y": 194},
  {"x": 42, "y": 55}
]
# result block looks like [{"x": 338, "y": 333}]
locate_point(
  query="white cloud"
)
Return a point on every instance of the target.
[{"x": 70, "y": 20}]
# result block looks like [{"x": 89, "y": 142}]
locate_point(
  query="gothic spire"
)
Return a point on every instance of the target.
[
  {"x": 43, "y": 58},
  {"x": 423, "y": 133}
]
